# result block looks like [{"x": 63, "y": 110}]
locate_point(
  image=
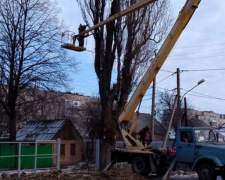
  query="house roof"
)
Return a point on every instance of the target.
[
  {"x": 146, "y": 120},
  {"x": 82, "y": 129},
  {"x": 40, "y": 130}
]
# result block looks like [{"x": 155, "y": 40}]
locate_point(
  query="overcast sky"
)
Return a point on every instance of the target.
[{"x": 199, "y": 53}]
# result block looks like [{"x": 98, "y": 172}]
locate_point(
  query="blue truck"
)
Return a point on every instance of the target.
[
  {"x": 199, "y": 149},
  {"x": 203, "y": 151}
]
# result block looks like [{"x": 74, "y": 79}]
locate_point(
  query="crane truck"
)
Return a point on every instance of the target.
[{"x": 204, "y": 152}]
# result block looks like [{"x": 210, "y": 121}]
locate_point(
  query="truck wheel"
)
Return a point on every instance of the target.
[
  {"x": 206, "y": 172},
  {"x": 140, "y": 166}
]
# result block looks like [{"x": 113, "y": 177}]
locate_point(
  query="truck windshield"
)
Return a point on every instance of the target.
[
  {"x": 209, "y": 135},
  {"x": 202, "y": 135}
]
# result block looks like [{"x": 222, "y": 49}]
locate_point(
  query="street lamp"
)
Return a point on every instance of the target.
[
  {"x": 199, "y": 82},
  {"x": 185, "y": 102}
]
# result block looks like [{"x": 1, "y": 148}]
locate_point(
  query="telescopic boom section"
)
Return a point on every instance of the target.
[
  {"x": 129, "y": 10},
  {"x": 183, "y": 19}
]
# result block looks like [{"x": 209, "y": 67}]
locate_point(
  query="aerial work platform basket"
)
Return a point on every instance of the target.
[
  {"x": 69, "y": 42},
  {"x": 73, "y": 47}
]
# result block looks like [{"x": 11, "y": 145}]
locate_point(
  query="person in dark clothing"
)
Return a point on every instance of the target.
[
  {"x": 81, "y": 38},
  {"x": 145, "y": 135}
]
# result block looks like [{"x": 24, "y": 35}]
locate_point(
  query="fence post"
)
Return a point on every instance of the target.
[
  {"x": 97, "y": 160},
  {"x": 58, "y": 155},
  {"x": 35, "y": 157},
  {"x": 19, "y": 159}
]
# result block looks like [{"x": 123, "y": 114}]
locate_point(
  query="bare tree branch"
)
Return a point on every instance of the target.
[
  {"x": 30, "y": 54},
  {"x": 125, "y": 44}
]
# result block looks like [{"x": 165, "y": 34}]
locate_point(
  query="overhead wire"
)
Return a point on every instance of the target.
[
  {"x": 200, "y": 46},
  {"x": 166, "y": 78},
  {"x": 208, "y": 97},
  {"x": 159, "y": 81},
  {"x": 198, "y": 52},
  {"x": 203, "y": 95},
  {"x": 166, "y": 71},
  {"x": 219, "y": 69},
  {"x": 192, "y": 70},
  {"x": 206, "y": 57}
]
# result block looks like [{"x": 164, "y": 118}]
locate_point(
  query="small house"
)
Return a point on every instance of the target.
[
  {"x": 146, "y": 120},
  {"x": 71, "y": 144}
]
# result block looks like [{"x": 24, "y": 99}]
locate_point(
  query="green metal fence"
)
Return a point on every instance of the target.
[{"x": 29, "y": 155}]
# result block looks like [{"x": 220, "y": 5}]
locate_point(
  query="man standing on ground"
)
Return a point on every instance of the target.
[{"x": 145, "y": 135}]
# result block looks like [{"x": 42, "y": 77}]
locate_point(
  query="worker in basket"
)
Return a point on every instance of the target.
[
  {"x": 145, "y": 135},
  {"x": 81, "y": 37}
]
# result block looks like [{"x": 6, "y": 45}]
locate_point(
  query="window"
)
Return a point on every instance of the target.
[
  {"x": 29, "y": 98},
  {"x": 200, "y": 117},
  {"x": 62, "y": 149},
  {"x": 202, "y": 135},
  {"x": 72, "y": 149},
  {"x": 71, "y": 103},
  {"x": 186, "y": 136}
]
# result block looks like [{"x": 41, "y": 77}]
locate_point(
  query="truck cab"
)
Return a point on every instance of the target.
[{"x": 202, "y": 150}]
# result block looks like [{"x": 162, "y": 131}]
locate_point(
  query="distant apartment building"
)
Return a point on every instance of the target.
[
  {"x": 209, "y": 117},
  {"x": 200, "y": 118}
]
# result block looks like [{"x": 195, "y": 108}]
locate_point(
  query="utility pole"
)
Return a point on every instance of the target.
[
  {"x": 153, "y": 109},
  {"x": 185, "y": 108},
  {"x": 178, "y": 98}
]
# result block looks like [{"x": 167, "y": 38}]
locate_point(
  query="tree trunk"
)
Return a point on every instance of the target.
[
  {"x": 12, "y": 112},
  {"x": 107, "y": 132},
  {"x": 130, "y": 42},
  {"x": 12, "y": 125},
  {"x": 105, "y": 155}
]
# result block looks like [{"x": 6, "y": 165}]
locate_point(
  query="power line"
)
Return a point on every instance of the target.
[
  {"x": 208, "y": 97},
  {"x": 203, "y": 95},
  {"x": 197, "y": 52},
  {"x": 165, "y": 89},
  {"x": 166, "y": 71},
  {"x": 147, "y": 96},
  {"x": 200, "y": 46},
  {"x": 193, "y": 70},
  {"x": 196, "y": 58},
  {"x": 166, "y": 78},
  {"x": 196, "y": 94},
  {"x": 221, "y": 69}
]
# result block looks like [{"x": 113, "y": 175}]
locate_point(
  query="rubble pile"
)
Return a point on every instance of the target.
[{"x": 119, "y": 173}]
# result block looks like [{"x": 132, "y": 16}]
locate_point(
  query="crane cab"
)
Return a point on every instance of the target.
[{"x": 69, "y": 42}]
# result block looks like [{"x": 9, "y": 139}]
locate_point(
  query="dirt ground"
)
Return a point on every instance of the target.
[
  {"x": 84, "y": 172},
  {"x": 116, "y": 173}
]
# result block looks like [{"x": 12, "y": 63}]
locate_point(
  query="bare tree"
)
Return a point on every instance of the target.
[
  {"x": 165, "y": 107},
  {"x": 90, "y": 119},
  {"x": 30, "y": 55},
  {"x": 126, "y": 44}
]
